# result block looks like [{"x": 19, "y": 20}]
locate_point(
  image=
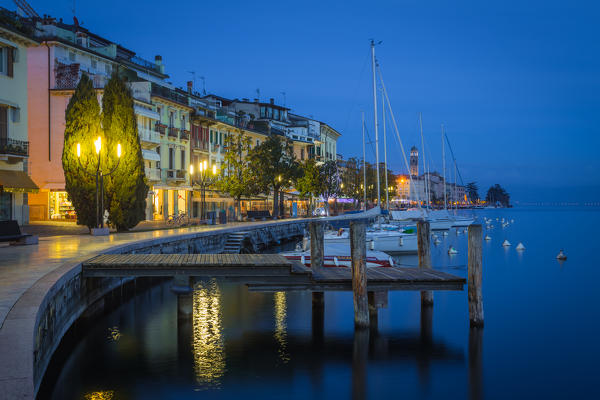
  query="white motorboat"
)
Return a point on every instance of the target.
[
  {"x": 437, "y": 221},
  {"x": 389, "y": 241},
  {"x": 338, "y": 255}
]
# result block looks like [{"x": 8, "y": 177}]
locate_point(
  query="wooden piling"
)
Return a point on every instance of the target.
[
  {"x": 317, "y": 246},
  {"x": 424, "y": 251},
  {"x": 474, "y": 279},
  {"x": 373, "y": 319},
  {"x": 318, "y": 317},
  {"x": 358, "y": 250}
]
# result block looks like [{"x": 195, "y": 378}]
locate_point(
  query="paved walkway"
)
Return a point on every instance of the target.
[
  {"x": 22, "y": 266},
  {"x": 61, "y": 228}
]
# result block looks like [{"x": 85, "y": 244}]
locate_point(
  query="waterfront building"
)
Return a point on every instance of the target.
[
  {"x": 306, "y": 135},
  {"x": 326, "y": 149},
  {"x": 15, "y": 183}
]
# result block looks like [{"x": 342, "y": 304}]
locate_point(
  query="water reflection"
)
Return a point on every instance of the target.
[
  {"x": 103, "y": 395},
  {"x": 281, "y": 326},
  {"x": 208, "y": 343}
]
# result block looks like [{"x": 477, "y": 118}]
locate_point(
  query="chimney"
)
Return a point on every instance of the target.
[
  {"x": 272, "y": 100},
  {"x": 190, "y": 87},
  {"x": 158, "y": 62},
  {"x": 256, "y": 100}
]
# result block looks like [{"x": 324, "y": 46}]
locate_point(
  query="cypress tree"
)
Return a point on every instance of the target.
[
  {"x": 82, "y": 125},
  {"x": 126, "y": 188}
]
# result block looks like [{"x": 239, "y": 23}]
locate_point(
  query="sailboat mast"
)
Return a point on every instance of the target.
[
  {"x": 364, "y": 162},
  {"x": 444, "y": 169},
  {"x": 455, "y": 198},
  {"x": 426, "y": 182},
  {"x": 375, "y": 119},
  {"x": 387, "y": 198}
]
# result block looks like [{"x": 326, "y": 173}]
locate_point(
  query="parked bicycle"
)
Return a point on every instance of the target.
[{"x": 178, "y": 219}]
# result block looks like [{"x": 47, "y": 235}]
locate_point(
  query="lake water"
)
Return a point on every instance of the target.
[{"x": 540, "y": 338}]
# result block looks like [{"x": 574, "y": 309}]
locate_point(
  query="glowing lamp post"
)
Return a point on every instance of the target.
[
  {"x": 204, "y": 178},
  {"x": 100, "y": 174}
]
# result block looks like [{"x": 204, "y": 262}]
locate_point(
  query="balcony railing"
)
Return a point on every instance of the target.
[
  {"x": 153, "y": 174},
  {"x": 214, "y": 148},
  {"x": 199, "y": 145},
  {"x": 148, "y": 135},
  {"x": 176, "y": 174},
  {"x": 173, "y": 132},
  {"x": 185, "y": 135},
  {"x": 14, "y": 147}
]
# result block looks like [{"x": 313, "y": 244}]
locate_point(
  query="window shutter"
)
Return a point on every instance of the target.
[
  {"x": 9, "y": 62},
  {"x": 16, "y": 115}
]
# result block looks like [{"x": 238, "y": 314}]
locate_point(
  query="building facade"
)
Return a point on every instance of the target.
[{"x": 15, "y": 183}]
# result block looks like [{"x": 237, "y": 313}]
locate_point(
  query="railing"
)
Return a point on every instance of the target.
[
  {"x": 153, "y": 174},
  {"x": 173, "y": 132},
  {"x": 214, "y": 148},
  {"x": 199, "y": 145},
  {"x": 185, "y": 135},
  {"x": 169, "y": 94},
  {"x": 145, "y": 63},
  {"x": 180, "y": 174},
  {"x": 177, "y": 174},
  {"x": 148, "y": 135},
  {"x": 12, "y": 146}
]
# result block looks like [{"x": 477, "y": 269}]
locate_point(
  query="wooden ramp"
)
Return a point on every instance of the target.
[{"x": 266, "y": 272}]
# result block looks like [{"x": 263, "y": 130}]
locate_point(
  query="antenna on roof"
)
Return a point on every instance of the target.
[
  {"x": 283, "y": 93},
  {"x": 26, "y": 9},
  {"x": 258, "y": 94},
  {"x": 203, "y": 86},
  {"x": 193, "y": 77}
]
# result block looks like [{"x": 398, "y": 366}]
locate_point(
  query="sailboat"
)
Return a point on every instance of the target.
[{"x": 459, "y": 221}]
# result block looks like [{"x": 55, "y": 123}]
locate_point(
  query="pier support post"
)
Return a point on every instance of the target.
[
  {"x": 318, "y": 317},
  {"x": 424, "y": 250},
  {"x": 373, "y": 320},
  {"x": 317, "y": 246},
  {"x": 358, "y": 250},
  {"x": 474, "y": 272}
]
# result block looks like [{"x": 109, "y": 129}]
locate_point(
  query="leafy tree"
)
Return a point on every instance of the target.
[
  {"x": 330, "y": 179},
  {"x": 472, "y": 192},
  {"x": 126, "y": 188},
  {"x": 352, "y": 179},
  {"x": 497, "y": 194},
  {"x": 309, "y": 184},
  {"x": 236, "y": 177},
  {"x": 82, "y": 125},
  {"x": 275, "y": 167}
]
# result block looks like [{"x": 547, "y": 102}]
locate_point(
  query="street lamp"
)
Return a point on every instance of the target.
[
  {"x": 99, "y": 173},
  {"x": 204, "y": 180}
]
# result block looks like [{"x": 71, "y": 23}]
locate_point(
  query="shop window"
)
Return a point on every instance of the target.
[
  {"x": 171, "y": 158},
  {"x": 3, "y": 123}
]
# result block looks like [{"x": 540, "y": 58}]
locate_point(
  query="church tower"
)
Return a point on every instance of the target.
[{"x": 414, "y": 162}]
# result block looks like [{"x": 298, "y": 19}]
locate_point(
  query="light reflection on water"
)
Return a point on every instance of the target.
[
  {"x": 207, "y": 343},
  {"x": 280, "y": 326}
]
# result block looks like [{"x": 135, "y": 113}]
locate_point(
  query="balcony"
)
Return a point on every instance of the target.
[
  {"x": 176, "y": 174},
  {"x": 14, "y": 147},
  {"x": 153, "y": 174},
  {"x": 185, "y": 135},
  {"x": 149, "y": 138},
  {"x": 173, "y": 132},
  {"x": 199, "y": 145},
  {"x": 160, "y": 128},
  {"x": 215, "y": 148}
]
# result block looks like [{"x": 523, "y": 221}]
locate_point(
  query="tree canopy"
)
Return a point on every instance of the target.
[
  {"x": 472, "y": 192},
  {"x": 497, "y": 194}
]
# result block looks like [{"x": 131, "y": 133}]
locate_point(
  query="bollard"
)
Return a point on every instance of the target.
[
  {"x": 474, "y": 272},
  {"x": 358, "y": 250},
  {"x": 424, "y": 250}
]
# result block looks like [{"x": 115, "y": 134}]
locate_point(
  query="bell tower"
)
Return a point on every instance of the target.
[{"x": 414, "y": 162}]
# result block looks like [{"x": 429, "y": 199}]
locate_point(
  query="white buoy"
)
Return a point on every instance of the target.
[
  {"x": 520, "y": 246},
  {"x": 458, "y": 232},
  {"x": 437, "y": 241},
  {"x": 561, "y": 255},
  {"x": 335, "y": 261},
  {"x": 506, "y": 243},
  {"x": 445, "y": 233},
  {"x": 452, "y": 250},
  {"x": 512, "y": 221},
  {"x": 465, "y": 230},
  {"x": 487, "y": 237},
  {"x": 303, "y": 260}
]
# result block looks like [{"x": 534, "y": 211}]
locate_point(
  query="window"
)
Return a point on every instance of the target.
[
  {"x": 182, "y": 159},
  {"x": 6, "y": 60},
  {"x": 302, "y": 154},
  {"x": 211, "y": 137},
  {"x": 94, "y": 64},
  {"x": 171, "y": 158},
  {"x": 107, "y": 68},
  {"x": 3, "y": 123},
  {"x": 263, "y": 112},
  {"x": 158, "y": 110},
  {"x": 171, "y": 119},
  {"x": 71, "y": 56},
  {"x": 276, "y": 115}
]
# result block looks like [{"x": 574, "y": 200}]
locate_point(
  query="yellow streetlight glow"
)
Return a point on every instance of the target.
[
  {"x": 342, "y": 185},
  {"x": 214, "y": 169},
  {"x": 191, "y": 169},
  {"x": 205, "y": 165},
  {"x": 78, "y": 150},
  {"x": 279, "y": 178},
  {"x": 98, "y": 144},
  {"x": 119, "y": 150}
]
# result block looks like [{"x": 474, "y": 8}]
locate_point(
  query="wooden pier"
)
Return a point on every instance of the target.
[{"x": 267, "y": 272}]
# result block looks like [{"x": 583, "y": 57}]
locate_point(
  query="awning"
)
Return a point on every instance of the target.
[
  {"x": 146, "y": 113},
  {"x": 150, "y": 155},
  {"x": 16, "y": 181}
]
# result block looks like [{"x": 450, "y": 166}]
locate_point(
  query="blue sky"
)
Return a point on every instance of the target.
[{"x": 517, "y": 84}]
